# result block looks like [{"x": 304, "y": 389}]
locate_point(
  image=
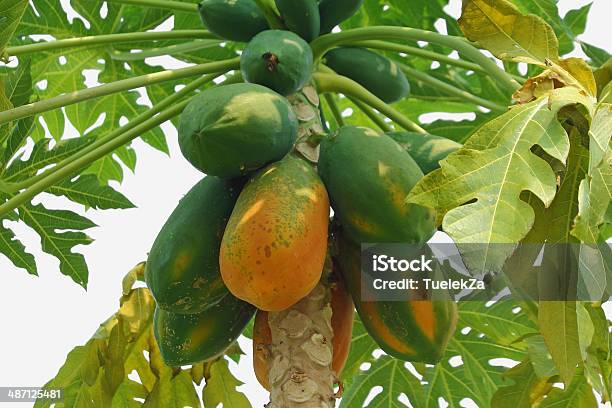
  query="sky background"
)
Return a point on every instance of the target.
[{"x": 44, "y": 317}]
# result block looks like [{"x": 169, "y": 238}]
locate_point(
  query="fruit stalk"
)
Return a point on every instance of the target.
[{"x": 301, "y": 352}]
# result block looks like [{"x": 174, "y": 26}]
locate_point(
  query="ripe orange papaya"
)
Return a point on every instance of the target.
[
  {"x": 415, "y": 330},
  {"x": 274, "y": 245},
  {"x": 343, "y": 312}
]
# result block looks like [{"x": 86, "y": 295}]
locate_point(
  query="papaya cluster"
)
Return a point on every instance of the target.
[{"x": 253, "y": 236}]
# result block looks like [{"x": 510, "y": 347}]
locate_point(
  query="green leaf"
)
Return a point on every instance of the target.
[
  {"x": 12, "y": 11},
  {"x": 541, "y": 360},
  {"x": 576, "y": 19},
  {"x": 173, "y": 392},
  {"x": 395, "y": 379},
  {"x": 362, "y": 347},
  {"x": 60, "y": 232},
  {"x": 14, "y": 250},
  {"x": 43, "y": 156},
  {"x": 597, "y": 55},
  {"x": 494, "y": 166},
  {"x": 499, "y": 26},
  {"x": 579, "y": 394},
  {"x": 526, "y": 390},
  {"x": 87, "y": 190},
  {"x": 559, "y": 327},
  {"x": 221, "y": 388}
]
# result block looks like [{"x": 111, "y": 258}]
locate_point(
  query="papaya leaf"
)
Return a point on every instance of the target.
[
  {"x": 597, "y": 55},
  {"x": 395, "y": 379},
  {"x": 12, "y": 11},
  {"x": 96, "y": 374},
  {"x": 549, "y": 12},
  {"x": 43, "y": 156},
  {"x": 540, "y": 358},
  {"x": 576, "y": 19},
  {"x": 60, "y": 232},
  {"x": 221, "y": 388},
  {"x": 88, "y": 191},
  {"x": 559, "y": 326},
  {"x": 499, "y": 26},
  {"x": 14, "y": 250},
  {"x": 528, "y": 389},
  {"x": 578, "y": 394},
  {"x": 494, "y": 166},
  {"x": 362, "y": 347},
  {"x": 472, "y": 376},
  {"x": 62, "y": 70},
  {"x": 5, "y": 104}
]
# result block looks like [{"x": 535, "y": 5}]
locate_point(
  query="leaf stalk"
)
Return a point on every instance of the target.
[
  {"x": 104, "y": 39},
  {"x": 324, "y": 43},
  {"x": 340, "y": 84},
  {"x": 115, "y": 87}
]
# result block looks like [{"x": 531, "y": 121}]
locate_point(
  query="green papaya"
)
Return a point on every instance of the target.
[
  {"x": 230, "y": 130},
  {"x": 278, "y": 59},
  {"x": 301, "y": 17},
  {"x": 235, "y": 20},
  {"x": 368, "y": 176},
  {"x": 426, "y": 150},
  {"x": 378, "y": 74},
  {"x": 415, "y": 330},
  {"x": 333, "y": 12},
  {"x": 182, "y": 271},
  {"x": 190, "y": 338}
]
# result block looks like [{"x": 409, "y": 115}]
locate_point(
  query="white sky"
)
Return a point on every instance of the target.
[{"x": 44, "y": 317}]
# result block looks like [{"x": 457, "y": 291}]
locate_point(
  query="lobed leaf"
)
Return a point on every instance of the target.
[
  {"x": 476, "y": 192},
  {"x": 60, "y": 232},
  {"x": 87, "y": 190}
]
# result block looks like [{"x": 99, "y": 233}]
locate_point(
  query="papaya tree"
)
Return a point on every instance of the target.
[{"x": 305, "y": 118}]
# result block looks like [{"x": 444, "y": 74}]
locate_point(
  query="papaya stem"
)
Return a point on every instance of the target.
[
  {"x": 115, "y": 87},
  {"x": 165, "y": 103},
  {"x": 93, "y": 40},
  {"x": 86, "y": 159},
  {"x": 340, "y": 84},
  {"x": 374, "y": 117},
  {"x": 169, "y": 50},
  {"x": 431, "y": 55},
  {"x": 324, "y": 43},
  {"x": 161, "y": 4},
  {"x": 269, "y": 12},
  {"x": 335, "y": 110},
  {"x": 449, "y": 89}
]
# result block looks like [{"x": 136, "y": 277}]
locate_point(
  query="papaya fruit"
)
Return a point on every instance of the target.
[
  {"x": 416, "y": 330},
  {"x": 333, "y": 12},
  {"x": 182, "y": 271},
  {"x": 235, "y": 20},
  {"x": 368, "y": 176},
  {"x": 376, "y": 73},
  {"x": 231, "y": 130},
  {"x": 342, "y": 326},
  {"x": 278, "y": 59},
  {"x": 301, "y": 17},
  {"x": 426, "y": 150},
  {"x": 190, "y": 338},
  {"x": 274, "y": 245}
]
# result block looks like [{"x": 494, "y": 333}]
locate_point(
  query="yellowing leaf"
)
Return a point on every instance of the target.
[
  {"x": 499, "y": 26},
  {"x": 476, "y": 191},
  {"x": 221, "y": 388},
  {"x": 526, "y": 390}
]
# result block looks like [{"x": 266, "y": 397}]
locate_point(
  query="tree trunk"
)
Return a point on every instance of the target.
[{"x": 301, "y": 352}]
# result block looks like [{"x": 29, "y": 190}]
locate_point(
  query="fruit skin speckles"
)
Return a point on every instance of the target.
[
  {"x": 235, "y": 20},
  {"x": 274, "y": 246}
]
